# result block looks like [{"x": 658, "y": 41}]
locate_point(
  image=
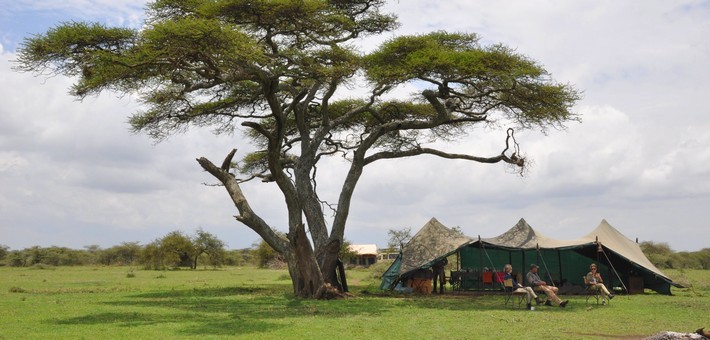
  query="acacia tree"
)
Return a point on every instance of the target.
[
  {"x": 273, "y": 68},
  {"x": 178, "y": 249},
  {"x": 206, "y": 243},
  {"x": 398, "y": 238}
]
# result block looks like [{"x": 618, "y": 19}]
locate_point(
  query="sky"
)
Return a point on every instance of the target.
[{"x": 73, "y": 175}]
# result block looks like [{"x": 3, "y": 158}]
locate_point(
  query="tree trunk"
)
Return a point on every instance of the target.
[
  {"x": 304, "y": 270},
  {"x": 328, "y": 263}
]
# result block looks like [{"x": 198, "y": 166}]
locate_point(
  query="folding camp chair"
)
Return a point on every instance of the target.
[
  {"x": 591, "y": 291},
  {"x": 455, "y": 279},
  {"x": 510, "y": 292}
]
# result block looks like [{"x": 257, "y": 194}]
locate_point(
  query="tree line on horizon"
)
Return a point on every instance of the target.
[
  {"x": 172, "y": 251},
  {"x": 175, "y": 250},
  {"x": 663, "y": 257}
]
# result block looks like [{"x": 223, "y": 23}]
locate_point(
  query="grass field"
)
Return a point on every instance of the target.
[{"x": 244, "y": 302}]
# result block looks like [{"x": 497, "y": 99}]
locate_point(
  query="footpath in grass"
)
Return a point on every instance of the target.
[{"x": 243, "y": 302}]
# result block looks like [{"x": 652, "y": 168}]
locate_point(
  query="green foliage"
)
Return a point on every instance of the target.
[
  {"x": 125, "y": 254},
  {"x": 663, "y": 257},
  {"x": 178, "y": 250},
  {"x": 267, "y": 257},
  {"x": 239, "y": 257},
  {"x": 479, "y": 77},
  {"x": 4, "y": 251},
  {"x": 152, "y": 256},
  {"x": 209, "y": 245},
  {"x": 345, "y": 254},
  {"x": 660, "y": 248},
  {"x": 437, "y": 55},
  {"x": 73, "y": 47}
]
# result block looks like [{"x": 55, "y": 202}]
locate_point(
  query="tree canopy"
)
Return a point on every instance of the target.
[{"x": 277, "y": 70}]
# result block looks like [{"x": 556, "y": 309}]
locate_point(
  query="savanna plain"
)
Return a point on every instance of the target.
[{"x": 245, "y": 302}]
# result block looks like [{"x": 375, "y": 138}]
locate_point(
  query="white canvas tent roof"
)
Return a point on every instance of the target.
[{"x": 612, "y": 239}]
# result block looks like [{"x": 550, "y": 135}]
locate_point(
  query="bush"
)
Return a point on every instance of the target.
[{"x": 267, "y": 257}]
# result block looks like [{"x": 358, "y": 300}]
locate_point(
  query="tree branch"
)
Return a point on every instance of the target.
[{"x": 246, "y": 215}]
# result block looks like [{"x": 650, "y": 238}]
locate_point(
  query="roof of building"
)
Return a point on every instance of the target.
[{"x": 363, "y": 249}]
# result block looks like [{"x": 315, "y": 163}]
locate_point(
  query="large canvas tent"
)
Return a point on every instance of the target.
[{"x": 564, "y": 262}]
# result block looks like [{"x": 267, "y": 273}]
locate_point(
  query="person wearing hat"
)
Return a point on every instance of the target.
[
  {"x": 594, "y": 281},
  {"x": 538, "y": 284}
]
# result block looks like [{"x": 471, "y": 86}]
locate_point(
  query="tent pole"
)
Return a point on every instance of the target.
[
  {"x": 615, "y": 272},
  {"x": 495, "y": 272},
  {"x": 480, "y": 263},
  {"x": 559, "y": 264},
  {"x": 539, "y": 254}
]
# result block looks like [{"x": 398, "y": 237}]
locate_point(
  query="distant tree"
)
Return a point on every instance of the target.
[
  {"x": 178, "y": 248},
  {"x": 276, "y": 68},
  {"x": 240, "y": 257},
  {"x": 266, "y": 256},
  {"x": 93, "y": 253},
  {"x": 345, "y": 253},
  {"x": 152, "y": 256},
  {"x": 398, "y": 238},
  {"x": 457, "y": 230},
  {"x": 206, "y": 243},
  {"x": 127, "y": 252},
  {"x": 34, "y": 255},
  {"x": 4, "y": 251},
  {"x": 660, "y": 254},
  {"x": 17, "y": 258},
  {"x": 704, "y": 258},
  {"x": 650, "y": 247}
]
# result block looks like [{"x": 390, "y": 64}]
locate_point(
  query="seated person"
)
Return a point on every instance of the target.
[
  {"x": 518, "y": 288},
  {"x": 594, "y": 281},
  {"x": 538, "y": 284}
]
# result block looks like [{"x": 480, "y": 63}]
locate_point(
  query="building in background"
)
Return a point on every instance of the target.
[{"x": 366, "y": 254}]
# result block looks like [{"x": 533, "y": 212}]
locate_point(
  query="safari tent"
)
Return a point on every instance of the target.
[
  {"x": 564, "y": 262},
  {"x": 433, "y": 242}
]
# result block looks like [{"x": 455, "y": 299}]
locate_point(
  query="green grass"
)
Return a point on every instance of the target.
[{"x": 242, "y": 302}]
